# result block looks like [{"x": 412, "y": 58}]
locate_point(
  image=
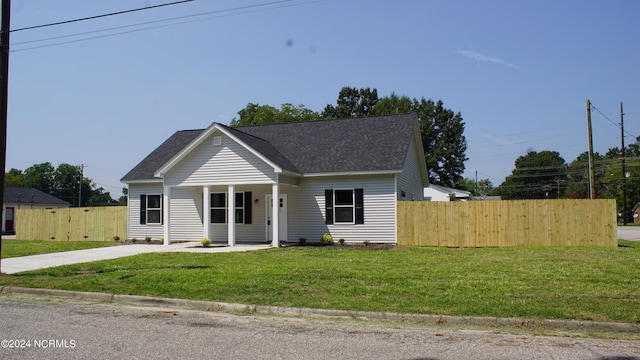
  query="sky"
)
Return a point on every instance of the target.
[{"x": 107, "y": 92}]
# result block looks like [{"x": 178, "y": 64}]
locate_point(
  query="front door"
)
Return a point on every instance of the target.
[
  {"x": 282, "y": 215},
  {"x": 9, "y": 224}
]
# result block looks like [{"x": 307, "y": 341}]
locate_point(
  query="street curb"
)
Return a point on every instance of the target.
[{"x": 532, "y": 324}]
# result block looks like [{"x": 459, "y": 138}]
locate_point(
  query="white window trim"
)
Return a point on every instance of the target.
[
  {"x": 147, "y": 209},
  {"x": 352, "y": 206}
]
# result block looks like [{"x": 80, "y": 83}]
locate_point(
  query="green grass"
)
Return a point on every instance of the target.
[
  {"x": 15, "y": 248},
  {"x": 583, "y": 283}
]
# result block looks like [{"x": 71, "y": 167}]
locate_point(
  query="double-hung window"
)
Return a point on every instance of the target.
[
  {"x": 150, "y": 209},
  {"x": 344, "y": 206},
  {"x": 242, "y": 211}
]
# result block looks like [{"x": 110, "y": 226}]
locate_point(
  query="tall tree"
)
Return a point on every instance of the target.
[
  {"x": 537, "y": 175},
  {"x": 256, "y": 114},
  {"x": 578, "y": 176},
  {"x": 14, "y": 177},
  {"x": 442, "y": 133},
  {"x": 352, "y": 102},
  {"x": 67, "y": 179},
  {"x": 41, "y": 177}
]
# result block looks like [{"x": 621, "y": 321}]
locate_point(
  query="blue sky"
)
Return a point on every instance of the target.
[{"x": 519, "y": 72}]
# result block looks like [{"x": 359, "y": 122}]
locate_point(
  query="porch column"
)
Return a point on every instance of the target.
[
  {"x": 206, "y": 212},
  {"x": 166, "y": 209},
  {"x": 231, "y": 216},
  {"x": 275, "y": 214}
]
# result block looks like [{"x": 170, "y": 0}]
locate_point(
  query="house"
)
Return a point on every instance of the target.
[
  {"x": 25, "y": 198},
  {"x": 636, "y": 213},
  {"x": 342, "y": 177},
  {"x": 442, "y": 193}
]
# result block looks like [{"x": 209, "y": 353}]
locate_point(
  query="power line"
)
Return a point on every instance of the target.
[
  {"x": 100, "y": 16},
  {"x": 159, "y": 26},
  {"x": 611, "y": 121}
]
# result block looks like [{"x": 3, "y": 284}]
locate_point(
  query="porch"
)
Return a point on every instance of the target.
[{"x": 208, "y": 211}]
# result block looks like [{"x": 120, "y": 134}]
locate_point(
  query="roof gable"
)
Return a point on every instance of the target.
[{"x": 352, "y": 145}]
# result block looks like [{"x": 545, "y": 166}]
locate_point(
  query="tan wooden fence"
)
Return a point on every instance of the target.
[
  {"x": 66, "y": 224},
  {"x": 508, "y": 223}
]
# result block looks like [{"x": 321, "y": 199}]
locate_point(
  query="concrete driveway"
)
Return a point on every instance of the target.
[{"x": 34, "y": 262}]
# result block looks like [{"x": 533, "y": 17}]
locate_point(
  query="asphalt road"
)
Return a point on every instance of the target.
[
  {"x": 39, "y": 328},
  {"x": 629, "y": 233}
]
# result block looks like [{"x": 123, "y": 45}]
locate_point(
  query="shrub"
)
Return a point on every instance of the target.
[
  {"x": 205, "y": 242},
  {"x": 366, "y": 243},
  {"x": 326, "y": 239},
  {"x": 116, "y": 238},
  {"x": 341, "y": 241},
  {"x": 147, "y": 238},
  {"x": 302, "y": 241}
]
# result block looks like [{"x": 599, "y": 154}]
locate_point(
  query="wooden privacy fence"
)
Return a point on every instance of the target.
[
  {"x": 68, "y": 224},
  {"x": 508, "y": 223}
]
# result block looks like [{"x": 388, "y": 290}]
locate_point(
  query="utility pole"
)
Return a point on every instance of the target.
[
  {"x": 80, "y": 187},
  {"x": 477, "y": 183},
  {"x": 4, "y": 87},
  {"x": 624, "y": 172},
  {"x": 592, "y": 171}
]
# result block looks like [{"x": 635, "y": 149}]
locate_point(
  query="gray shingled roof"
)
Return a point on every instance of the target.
[
  {"x": 324, "y": 146},
  {"x": 24, "y": 195}
]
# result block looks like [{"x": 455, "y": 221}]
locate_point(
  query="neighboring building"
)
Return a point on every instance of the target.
[
  {"x": 636, "y": 213},
  {"x": 25, "y": 198},
  {"x": 442, "y": 193},
  {"x": 342, "y": 177}
]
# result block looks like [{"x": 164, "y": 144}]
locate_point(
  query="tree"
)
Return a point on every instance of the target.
[
  {"x": 67, "y": 182},
  {"x": 442, "y": 133},
  {"x": 352, "y": 102},
  {"x": 14, "y": 177},
  {"x": 484, "y": 187},
  {"x": 122, "y": 200},
  {"x": 578, "y": 176},
  {"x": 98, "y": 197},
  {"x": 256, "y": 114},
  {"x": 537, "y": 175},
  {"x": 41, "y": 177}
]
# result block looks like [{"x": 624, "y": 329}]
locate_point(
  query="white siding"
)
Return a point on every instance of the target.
[
  {"x": 186, "y": 214},
  {"x": 136, "y": 230},
  {"x": 209, "y": 164},
  {"x": 409, "y": 181},
  {"x": 307, "y": 209}
]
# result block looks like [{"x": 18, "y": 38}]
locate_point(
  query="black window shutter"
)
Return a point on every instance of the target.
[
  {"x": 328, "y": 206},
  {"x": 359, "y": 206},
  {"x": 247, "y": 207},
  {"x": 162, "y": 209},
  {"x": 143, "y": 209}
]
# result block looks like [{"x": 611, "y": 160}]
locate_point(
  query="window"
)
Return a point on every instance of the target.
[
  {"x": 218, "y": 208},
  {"x": 150, "y": 209},
  {"x": 242, "y": 211},
  {"x": 344, "y": 206}
]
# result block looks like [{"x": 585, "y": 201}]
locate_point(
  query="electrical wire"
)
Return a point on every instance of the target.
[
  {"x": 160, "y": 26},
  {"x": 100, "y": 16}
]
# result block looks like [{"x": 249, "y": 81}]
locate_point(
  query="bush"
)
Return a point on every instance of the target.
[
  {"x": 147, "y": 238},
  {"x": 116, "y": 238},
  {"x": 205, "y": 242},
  {"x": 302, "y": 241},
  {"x": 326, "y": 239},
  {"x": 341, "y": 241}
]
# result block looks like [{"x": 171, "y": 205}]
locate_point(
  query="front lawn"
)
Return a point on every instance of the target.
[
  {"x": 15, "y": 248},
  {"x": 583, "y": 283}
]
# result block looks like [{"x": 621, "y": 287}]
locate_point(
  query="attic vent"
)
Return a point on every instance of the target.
[{"x": 217, "y": 140}]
